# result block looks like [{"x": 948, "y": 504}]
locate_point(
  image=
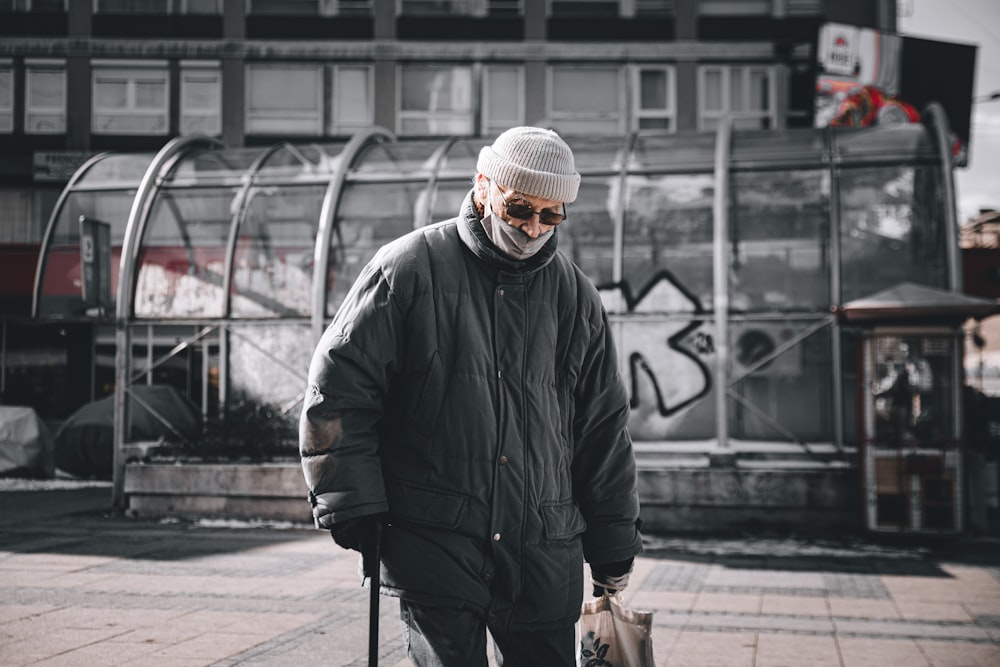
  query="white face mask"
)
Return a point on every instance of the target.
[{"x": 510, "y": 240}]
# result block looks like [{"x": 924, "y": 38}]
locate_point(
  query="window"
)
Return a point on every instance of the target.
[
  {"x": 6, "y": 97},
  {"x": 435, "y": 100},
  {"x": 310, "y": 7},
  {"x": 201, "y": 98},
  {"x": 458, "y": 7},
  {"x": 747, "y": 93},
  {"x": 352, "y": 104},
  {"x": 586, "y": 99},
  {"x": 284, "y": 99},
  {"x": 45, "y": 97},
  {"x": 503, "y": 98},
  {"x": 653, "y": 98},
  {"x": 158, "y": 6},
  {"x": 34, "y": 5},
  {"x": 566, "y": 8},
  {"x": 130, "y": 99}
]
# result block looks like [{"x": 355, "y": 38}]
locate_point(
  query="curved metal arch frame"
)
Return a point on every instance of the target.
[
  {"x": 164, "y": 160},
  {"x": 334, "y": 191},
  {"x": 239, "y": 213},
  {"x": 77, "y": 176},
  {"x": 423, "y": 216}
]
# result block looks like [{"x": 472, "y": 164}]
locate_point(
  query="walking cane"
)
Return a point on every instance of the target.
[{"x": 372, "y": 569}]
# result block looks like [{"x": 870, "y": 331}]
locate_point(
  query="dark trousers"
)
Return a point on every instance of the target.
[{"x": 449, "y": 637}]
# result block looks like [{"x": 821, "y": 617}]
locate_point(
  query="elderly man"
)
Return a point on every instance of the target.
[{"x": 466, "y": 405}]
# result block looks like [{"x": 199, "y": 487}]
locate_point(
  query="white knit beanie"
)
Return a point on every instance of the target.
[{"x": 533, "y": 161}]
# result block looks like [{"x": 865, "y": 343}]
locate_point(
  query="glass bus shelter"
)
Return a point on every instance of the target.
[{"x": 723, "y": 259}]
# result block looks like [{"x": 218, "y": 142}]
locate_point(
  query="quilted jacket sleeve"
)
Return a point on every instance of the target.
[
  {"x": 348, "y": 380},
  {"x": 604, "y": 475}
]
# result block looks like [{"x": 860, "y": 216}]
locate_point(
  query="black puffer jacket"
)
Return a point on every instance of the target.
[{"x": 477, "y": 400}]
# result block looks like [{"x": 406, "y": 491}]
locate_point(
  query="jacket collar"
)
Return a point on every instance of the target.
[{"x": 470, "y": 230}]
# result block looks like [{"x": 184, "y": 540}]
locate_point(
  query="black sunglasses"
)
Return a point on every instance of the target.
[{"x": 522, "y": 211}]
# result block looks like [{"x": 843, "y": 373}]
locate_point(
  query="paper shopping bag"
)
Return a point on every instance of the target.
[{"x": 613, "y": 636}]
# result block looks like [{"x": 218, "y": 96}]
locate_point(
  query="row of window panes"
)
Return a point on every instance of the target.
[
  {"x": 362, "y": 7},
  {"x": 314, "y": 99}
]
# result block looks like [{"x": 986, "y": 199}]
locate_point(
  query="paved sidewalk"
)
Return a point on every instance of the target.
[{"x": 83, "y": 588}]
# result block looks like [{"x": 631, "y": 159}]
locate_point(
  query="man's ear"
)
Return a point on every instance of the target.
[{"x": 481, "y": 188}]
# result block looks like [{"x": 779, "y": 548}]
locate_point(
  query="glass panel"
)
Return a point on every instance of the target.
[
  {"x": 129, "y": 102},
  {"x": 596, "y": 154},
  {"x": 370, "y": 215},
  {"x": 789, "y": 392},
  {"x": 653, "y": 85},
  {"x": 737, "y": 98},
  {"x": 110, "y": 93},
  {"x": 779, "y": 241},
  {"x": 892, "y": 229},
  {"x": 131, "y": 6},
  {"x": 286, "y": 7},
  {"x": 60, "y": 296},
  {"x": 284, "y": 100},
  {"x": 654, "y": 123},
  {"x": 448, "y": 200},
  {"x": 150, "y": 94},
  {"x": 273, "y": 264},
  {"x": 713, "y": 90},
  {"x": 587, "y": 235},
  {"x": 436, "y": 89},
  {"x": 503, "y": 101},
  {"x": 46, "y": 101},
  {"x": 688, "y": 153},
  {"x": 435, "y": 100},
  {"x": 182, "y": 256},
  {"x": 584, "y": 90},
  {"x": 760, "y": 89},
  {"x": 6, "y": 99},
  {"x": 213, "y": 167},
  {"x": 201, "y": 102},
  {"x": 352, "y": 101},
  {"x": 669, "y": 373},
  {"x": 267, "y": 373},
  {"x": 914, "y": 384},
  {"x": 412, "y": 158},
  {"x": 668, "y": 229}
]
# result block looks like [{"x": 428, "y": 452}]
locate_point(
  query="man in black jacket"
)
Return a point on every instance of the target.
[{"x": 466, "y": 404}]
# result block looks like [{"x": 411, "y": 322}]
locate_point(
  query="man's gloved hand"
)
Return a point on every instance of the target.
[
  {"x": 610, "y": 577},
  {"x": 362, "y": 534}
]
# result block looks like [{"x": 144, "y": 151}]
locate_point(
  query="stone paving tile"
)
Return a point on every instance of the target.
[
  {"x": 102, "y": 653},
  {"x": 862, "y": 652},
  {"x": 869, "y": 609},
  {"x": 933, "y": 611},
  {"x": 757, "y": 579},
  {"x": 649, "y": 600},
  {"x": 854, "y": 585},
  {"x": 966, "y": 631},
  {"x": 794, "y": 605},
  {"x": 13, "y": 612},
  {"x": 713, "y": 649},
  {"x": 787, "y": 650},
  {"x": 954, "y": 654},
  {"x": 730, "y": 602}
]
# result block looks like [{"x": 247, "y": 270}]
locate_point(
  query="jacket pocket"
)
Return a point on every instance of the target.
[
  {"x": 562, "y": 521},
  {"x": 425, "y": 507}
]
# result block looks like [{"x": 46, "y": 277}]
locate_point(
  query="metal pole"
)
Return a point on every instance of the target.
[
  {"x": 374, "y": 582},
  {"x": 720, "y": 278}
]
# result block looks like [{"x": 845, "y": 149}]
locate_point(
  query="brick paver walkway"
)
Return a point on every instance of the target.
[{"x": 79, "y": 587}]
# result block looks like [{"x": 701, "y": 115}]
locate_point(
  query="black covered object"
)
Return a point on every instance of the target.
[{"x": 85, "y": 443}]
